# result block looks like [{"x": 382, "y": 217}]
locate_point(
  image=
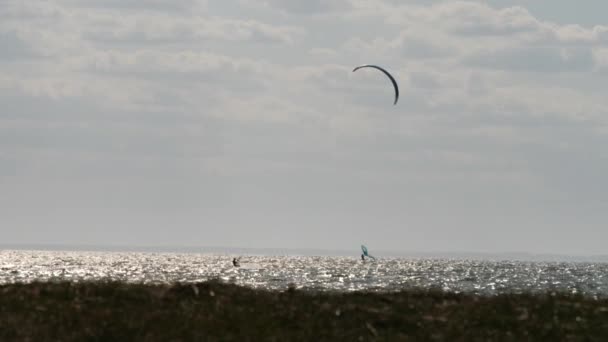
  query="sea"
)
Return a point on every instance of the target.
[{"x": 310, "y": 272}]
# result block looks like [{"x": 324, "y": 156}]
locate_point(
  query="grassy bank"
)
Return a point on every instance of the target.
[{"x": 221, "y": 312}]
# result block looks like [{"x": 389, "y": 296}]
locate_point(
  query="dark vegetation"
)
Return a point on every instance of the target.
[{"x": 213, "y": 311}]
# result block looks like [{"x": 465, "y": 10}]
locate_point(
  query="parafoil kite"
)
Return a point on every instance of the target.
[{"x": 387, "y": 74}]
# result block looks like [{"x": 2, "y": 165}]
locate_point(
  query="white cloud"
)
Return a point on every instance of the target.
[
  {"x": 310, "y": 6},
  {"x": 184, "y": 6},
  {"x": 157, "y": 28},
  {"x": 536, "y": 59},
  {"x": 14, "y": 47}
]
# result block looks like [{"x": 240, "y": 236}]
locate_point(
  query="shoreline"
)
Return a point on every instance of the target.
[{"x": 215, "y": 311}]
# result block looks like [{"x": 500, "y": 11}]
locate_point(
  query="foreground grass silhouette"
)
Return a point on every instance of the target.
[{"x": 212, "y": 311}]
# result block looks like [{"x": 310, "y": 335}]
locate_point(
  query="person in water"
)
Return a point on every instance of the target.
[{"x": 235, "y": 262}]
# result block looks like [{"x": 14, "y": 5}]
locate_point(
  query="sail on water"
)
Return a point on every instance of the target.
[{"x": 366, "y": 253}]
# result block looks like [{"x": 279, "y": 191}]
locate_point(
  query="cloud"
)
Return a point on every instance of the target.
[
  {"x": 311, "y": 6},
  {"x": 579, "y": 34},
  {"x": 536, "y": 59},
  {"x": 416, "y": 45},
  {"x": 13, "y": 47},
  {"x": 185, "y": 6},
  {"x": 229, "y": 103},
  {"x": 478, "y": 19},
  {"x": 168, "y": 29}
]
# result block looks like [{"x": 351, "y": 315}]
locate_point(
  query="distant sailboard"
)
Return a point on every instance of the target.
[{"x": 366, "y": 253}]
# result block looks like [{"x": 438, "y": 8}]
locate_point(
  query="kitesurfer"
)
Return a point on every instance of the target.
[{"x": 235, "y": 262}]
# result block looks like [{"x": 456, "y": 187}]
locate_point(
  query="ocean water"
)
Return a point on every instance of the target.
[{"x": 308, "y": 272}]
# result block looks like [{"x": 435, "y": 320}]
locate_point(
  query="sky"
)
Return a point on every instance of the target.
[{"x": 239, "y": 123}]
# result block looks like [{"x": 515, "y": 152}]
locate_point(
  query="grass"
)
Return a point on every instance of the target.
[{"x": 213, "y": 311}]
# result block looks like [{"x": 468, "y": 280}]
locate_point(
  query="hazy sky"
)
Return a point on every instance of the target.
[{"x": 239, "y": 123}]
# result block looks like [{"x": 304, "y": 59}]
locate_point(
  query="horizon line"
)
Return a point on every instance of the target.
[{"x": 306, "y": 250}]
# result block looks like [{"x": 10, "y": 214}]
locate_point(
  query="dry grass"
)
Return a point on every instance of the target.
[{"x": 213, "y": 311}]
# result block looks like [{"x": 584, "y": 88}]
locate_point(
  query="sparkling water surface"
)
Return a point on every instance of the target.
[{"x": 308, "y": 272}]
